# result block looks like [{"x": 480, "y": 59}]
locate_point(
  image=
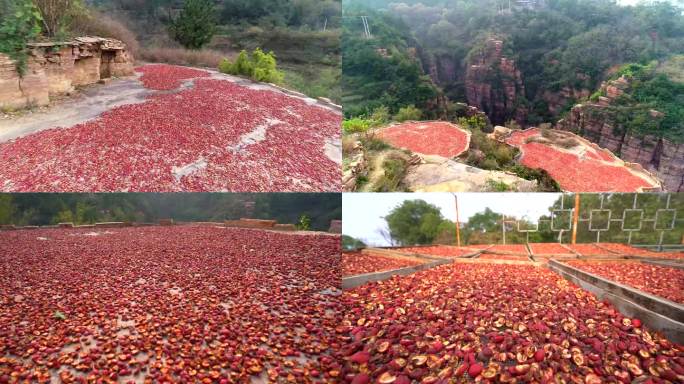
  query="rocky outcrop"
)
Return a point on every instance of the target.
[
  {"x": 494, "y": 84},
  {"x": 57, "y": 67},
  {"x": 557, "y": 101},
  {"x": 657, "y": 155}
]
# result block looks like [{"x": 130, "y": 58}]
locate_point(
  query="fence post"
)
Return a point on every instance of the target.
[{"x": 575, "y": 218}]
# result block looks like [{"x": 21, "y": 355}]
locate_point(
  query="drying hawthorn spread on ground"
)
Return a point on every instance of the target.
[
  {"x": 657, "y": 280},
  {"x": 490, "y": 256},
  {"x": 634, "y": 251},
  {"x": 168, "y": 304},
  {"x": 443, "y": 250},
  {"x": 427, "y": 138},
  {"x": 503, "y": 323},
  {"x": 595, "y": 171},
  {"x": 357, "y": 263},
  {"x": 214, "y": 136},
  {"x": 549, "y": 249}
]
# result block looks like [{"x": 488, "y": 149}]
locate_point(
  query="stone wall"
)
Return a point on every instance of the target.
[
  {"x": 657, "y": 155},
  {"x": 56, "y": 68}
]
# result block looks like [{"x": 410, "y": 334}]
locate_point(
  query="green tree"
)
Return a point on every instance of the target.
[
  {"x": 415, "y": 222},
  {"x": 19, "y": 23},
  {"x": 65, "y": 216},
  {"x": 7, "y": 209},
  {"x": 351, "y": 243},
  {"x": 196, "y": 25},
  {"x": 59, "y": 15},
  {"x": 86, "y": 213}
]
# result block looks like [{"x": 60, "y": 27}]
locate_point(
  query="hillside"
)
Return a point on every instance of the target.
[
  {"x": 527, "y": 64},
  {"x": 553, "y": 52}
]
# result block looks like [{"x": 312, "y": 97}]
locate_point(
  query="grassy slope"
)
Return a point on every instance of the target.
[{"x": 311, "y": 60}]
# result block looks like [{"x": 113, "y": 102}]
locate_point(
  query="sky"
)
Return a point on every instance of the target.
[{"x": 362, "y": 213}]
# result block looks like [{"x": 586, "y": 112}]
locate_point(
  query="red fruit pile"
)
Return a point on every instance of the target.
[
  {"x": 168, "y": 304},
  {"x": 495, "y": 323},
  {"x": 595, "y": 171},
  {"x": 660, "y": 281},
  {"x": 444, "y": 250},
  {"x": 518, "y": 249},
  {"x": 216, "y": 136},
  {"x": 428, "y": 138},
  {"x": 167, "y": 77},
  {"x": 590, "y": 250},
  {"x": 626, "y": 249},
  {"x": 357, "y": 263},
  {"x": 491, "y": 256},
  {"x": 549, "y": 249}
]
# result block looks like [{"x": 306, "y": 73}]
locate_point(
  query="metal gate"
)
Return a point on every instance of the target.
[{"x": 653, "y": 220}]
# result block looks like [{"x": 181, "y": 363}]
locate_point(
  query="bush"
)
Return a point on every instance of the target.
[
  {"x": 371, "y": 143},
  {"x": 259, "y": 66},
  {"x": 395, "y": 168},
  {"x": 408, "y": 113},
  {"x": 546, "y": 182},
  {"x": 356, "y": 125},
  {"x": 19, "y": 24},
  {"x": 380, "y": 116},
  {"x": 476, "y": 122},
  {"x": 195, "y": 26},
  {"x": 497, "y": 186}
]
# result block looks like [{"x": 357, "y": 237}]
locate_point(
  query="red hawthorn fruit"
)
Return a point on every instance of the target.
[
  {"x": 361, "y": 378},
  {"x": 357, "y": 263},
  {"x": 361, "y": 357},
  {"x": 203, "y": 138},
  {"x": 428, "y": 138},
  {"x": 596, "y": 171},
  {"x": 475, "y": 370},
  {"x": 661, "y": 281},
  {"x": 522, "y": 313},
  {"x": 444, "y": 250},
  {"x": 201, "y": 298}
]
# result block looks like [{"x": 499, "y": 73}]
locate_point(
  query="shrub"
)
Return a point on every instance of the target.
[
  {"x": 408, "y": 113},
  {"x": 497, "y": 186},
  {"x": 490, "y": 164},
  {"x": 371, "y": 143},
  {"x": 380, "y": 115},
  {"x": 356, "y": 125},
  {"x": 259, "y": 66},
  {"x": 19, "y": 24},
  {"x": 195, "y": 26},
  {"x": 304, "y": 223},
  {"x": 395, "y": 168},
  {"x": 503, "y": 154},
  {"x": 476, "y": 122},
  {"x": 546, "y": 182}
]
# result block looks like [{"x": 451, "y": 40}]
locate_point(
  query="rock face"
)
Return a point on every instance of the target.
[
  {"x": 56, "y": 68},
  {"x": 657, "y": 155},
  {"x": 495, "y": 85}
]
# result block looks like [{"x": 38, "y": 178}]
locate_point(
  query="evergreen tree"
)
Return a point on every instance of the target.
[{"x": 196, "y": 25}]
